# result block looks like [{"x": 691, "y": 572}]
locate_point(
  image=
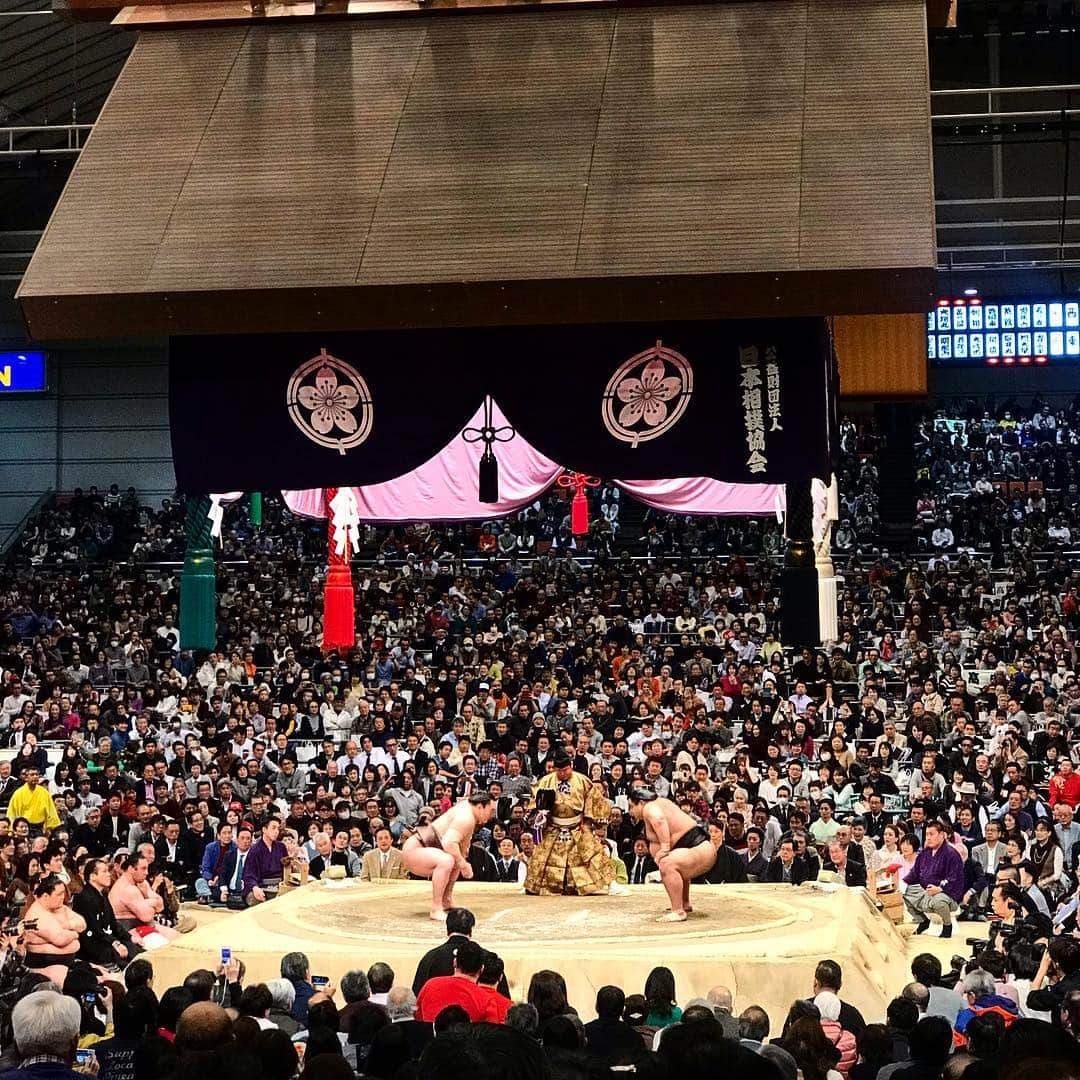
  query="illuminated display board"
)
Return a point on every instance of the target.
[
  {"x": 23, "y": 372},
  {"x": 975, "y": 331}
]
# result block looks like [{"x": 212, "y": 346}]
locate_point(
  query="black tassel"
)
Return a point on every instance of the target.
[
  {"x": 489, "y": 435},
  {"x": 489, "y": 477}
]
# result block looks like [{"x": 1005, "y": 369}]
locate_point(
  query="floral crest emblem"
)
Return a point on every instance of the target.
[
  {"x": 330, "y": 403},
  {"x": 647, "y": 395}
]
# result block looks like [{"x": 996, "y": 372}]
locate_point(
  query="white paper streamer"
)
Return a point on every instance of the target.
[
  {"x": 216, "y": 514},
  {"x": 345, "y": 520}
]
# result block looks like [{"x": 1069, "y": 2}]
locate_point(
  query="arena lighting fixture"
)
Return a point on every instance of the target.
[
  {"x": 1010, "y": 360},
  {"x": 1025, "y": 359},
  {"x": 971, "y": 292},
  {"x": 992, "y": 360}
]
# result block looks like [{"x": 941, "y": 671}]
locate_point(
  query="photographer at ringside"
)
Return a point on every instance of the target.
[
  {"x": 1058, "y": 975},
  {"x": 1012, "y": 922}
]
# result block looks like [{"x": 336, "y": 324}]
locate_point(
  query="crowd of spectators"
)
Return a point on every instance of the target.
[
  {"x": 93, "y": 526},
  {"x": 930, "y": 749},
  {"x": 458, "y": 1018},
  {"x": 996, "y": 475}
]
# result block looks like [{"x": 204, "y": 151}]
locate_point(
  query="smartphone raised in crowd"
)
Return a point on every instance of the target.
[
  {"x": 320, "y": 981},
  {"x": 84, "y": 1057},
  {"x": 226, "y": 956}
]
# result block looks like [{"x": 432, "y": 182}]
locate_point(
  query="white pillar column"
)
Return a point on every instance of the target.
[{"x": 826, "y": 512}]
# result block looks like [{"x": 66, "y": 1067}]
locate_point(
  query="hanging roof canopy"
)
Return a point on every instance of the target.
[{"x": 701, "y": 161}]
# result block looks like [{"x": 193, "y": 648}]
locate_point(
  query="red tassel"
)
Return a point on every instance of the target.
[
  {"x": 579, "y": 505},
  {"x": 579, "y": 514},
  {"x": 339, "y": 611}
]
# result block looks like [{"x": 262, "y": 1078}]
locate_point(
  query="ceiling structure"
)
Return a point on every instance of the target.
[
  {"x": 702, "y": 160},
  {"x": 1006, "y": 186}
]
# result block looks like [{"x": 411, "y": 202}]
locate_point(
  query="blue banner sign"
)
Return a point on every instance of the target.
[{"x": 22, "y": 373}]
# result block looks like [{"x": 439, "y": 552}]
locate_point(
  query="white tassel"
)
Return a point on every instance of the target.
[{"x": 345, "y": 519}]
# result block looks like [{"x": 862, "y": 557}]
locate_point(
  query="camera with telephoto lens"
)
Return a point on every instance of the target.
[{"x": 1026, "y": 931}]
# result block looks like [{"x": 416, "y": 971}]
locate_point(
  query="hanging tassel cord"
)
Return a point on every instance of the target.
[
  {"x": 579, "y": 505},
  {"x": 339, "y": 598},
  {"x": 489, "y": 434}
]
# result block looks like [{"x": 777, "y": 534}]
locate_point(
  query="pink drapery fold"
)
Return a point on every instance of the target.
[
  {"x": 701, "y": 495},
  {"x": 307, "y": 502},
  {"x": 444, "y": 488},
  {"x": 689, "y": 495}
]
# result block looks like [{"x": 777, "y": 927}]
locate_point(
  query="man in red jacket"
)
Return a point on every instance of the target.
[
  {"x": 458, "y": 989},
  {"x": 490, "y": 976},
  {"x": 1065, "y": 786}
]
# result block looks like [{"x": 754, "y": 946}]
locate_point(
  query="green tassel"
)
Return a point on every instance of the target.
[
  {"x": 256, "y": 509},
  {"x": 198, "y": 584}
]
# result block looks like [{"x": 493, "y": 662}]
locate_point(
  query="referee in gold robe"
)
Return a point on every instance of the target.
[{"x": 569, "y": 860}]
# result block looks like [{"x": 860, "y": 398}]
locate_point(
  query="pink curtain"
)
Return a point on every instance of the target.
[
  {"x": 700, "y": 495},
  {"x": 444, "y": 488}
]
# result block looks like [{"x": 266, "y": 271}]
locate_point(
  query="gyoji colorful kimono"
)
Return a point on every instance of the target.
[{"x": 569, "y": 860}]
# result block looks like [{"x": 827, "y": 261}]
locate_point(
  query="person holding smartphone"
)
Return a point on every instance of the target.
[
  {"x": 46, "y": 1030},
  {"x": 94, "y": 1000},
  {"x": 297, "y": 969}
]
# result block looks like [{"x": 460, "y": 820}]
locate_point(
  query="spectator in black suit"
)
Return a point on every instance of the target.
[
  {"x": 176, "y": 856},
  {"x": 785, "y": 866},
  {"x": 114, "y": 826},
  {"x": 8, "y": 784},
  {"x": 103, "y": 941},
  {"x": 609, "y": 1037},
  {"x": 231, "y": 875},
  {"x": 916, "y": 825},
  {"x": 440, "y": 960},
  {"x": 508, "y": 868},
  {"x": 852, "y": 872},
  {"x": 783, "y": 808},
  {"x": 729, "y": 866},
  {"x": 876, "y": 819},
  {"x": 807, "y": 857},
  {"x": 829, "y": 976},
  {"x": 641, "y": 863},
  {"x": 483, "y": 864},
  {"x": 91, "y": 835}
]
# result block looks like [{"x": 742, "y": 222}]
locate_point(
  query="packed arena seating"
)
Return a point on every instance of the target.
[
  {"x": 940, "y": 729},
  {"x": 998, "y": 474}
]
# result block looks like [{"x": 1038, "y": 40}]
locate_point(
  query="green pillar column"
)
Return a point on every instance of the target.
[
  {"x": 198, "y": 584},
  {"x": 256, "y": 508}
]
